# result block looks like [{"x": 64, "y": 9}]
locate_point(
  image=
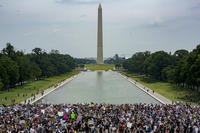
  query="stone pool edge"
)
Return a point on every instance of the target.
[
  {"x": 141, "y": 87},
  {"x": 48, "y": 91}
]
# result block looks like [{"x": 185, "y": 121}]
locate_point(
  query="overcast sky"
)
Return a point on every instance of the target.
[{"x": 129, "y": 26}]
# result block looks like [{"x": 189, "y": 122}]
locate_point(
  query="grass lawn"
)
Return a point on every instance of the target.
[
  {"x": 21, "y": 93},
  {"x": 94, "y": 67},
  {"x": 164, "y": 88}
]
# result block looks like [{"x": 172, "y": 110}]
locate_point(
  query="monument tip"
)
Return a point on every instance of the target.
[{"x": 99, "y": 5}]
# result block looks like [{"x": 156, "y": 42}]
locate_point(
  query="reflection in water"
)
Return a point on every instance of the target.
[
  {"x": 99, "y": 87},
  {"x": 99, "y": 80},
  {"x": 99, "y": 73}
]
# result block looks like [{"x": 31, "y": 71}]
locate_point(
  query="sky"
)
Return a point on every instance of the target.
[{"x": 129, "y": 26}]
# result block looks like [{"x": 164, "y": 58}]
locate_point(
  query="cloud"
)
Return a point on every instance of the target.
[
  {"x": 129, "y": 25},
  {"x": 195, "y": 7},
  {"x": 82, "y": 16},
  {"x": 28, "y": 33},
  {"x": 78, "y": 1},
  {"x": 56, "y": 30},
  {"x": 156, "y": 23}
]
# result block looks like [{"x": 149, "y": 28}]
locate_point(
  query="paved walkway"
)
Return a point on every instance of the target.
[
  {"x": 147, "y": 90},
  {"x": 39, "y": 96}
]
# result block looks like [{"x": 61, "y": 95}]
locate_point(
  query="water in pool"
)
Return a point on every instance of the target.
[{"x": 99, "y": 87}]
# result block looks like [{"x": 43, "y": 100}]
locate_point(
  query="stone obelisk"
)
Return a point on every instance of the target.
[{"x": 100, "y": 37}]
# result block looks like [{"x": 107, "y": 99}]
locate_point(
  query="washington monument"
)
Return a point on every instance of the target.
[{"x": 100, "y": 37}]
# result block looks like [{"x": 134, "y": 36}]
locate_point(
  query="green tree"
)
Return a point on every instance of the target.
[
  {"x": 136, "y": 62},
  {"x": 155, "y": 64},
  {"x": 36, "y": 71},
  {"x": 193, "y": 65},
  {"x": 25, "y": 69},
  {"x": 4, "y": 77},
  {"x": 37, "y": 51},
  {"x": 180, "y": 54},
  {"x": 9, "y": 71},
  {"x": 9, "y": 51}
]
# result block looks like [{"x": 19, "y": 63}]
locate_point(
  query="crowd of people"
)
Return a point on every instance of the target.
[{"x": 100, "y": 118}]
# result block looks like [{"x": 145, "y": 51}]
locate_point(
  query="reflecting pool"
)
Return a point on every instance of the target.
[{"x": 99, "y": 87}]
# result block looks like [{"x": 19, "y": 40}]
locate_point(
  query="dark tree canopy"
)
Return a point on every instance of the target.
[
  {"x": 182, "y": 68},
  {"x": 16, "y": 67}
]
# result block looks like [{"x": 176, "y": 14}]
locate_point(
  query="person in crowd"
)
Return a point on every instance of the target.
[{"x": 100, "y": 118}]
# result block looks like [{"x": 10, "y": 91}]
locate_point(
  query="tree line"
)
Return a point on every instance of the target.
[
  {"x": 17, "y": 67},
  {"x": 181, "y": 68},
  {"x": 81, "y": 61},
  {"x": 116, "y": 60}
]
